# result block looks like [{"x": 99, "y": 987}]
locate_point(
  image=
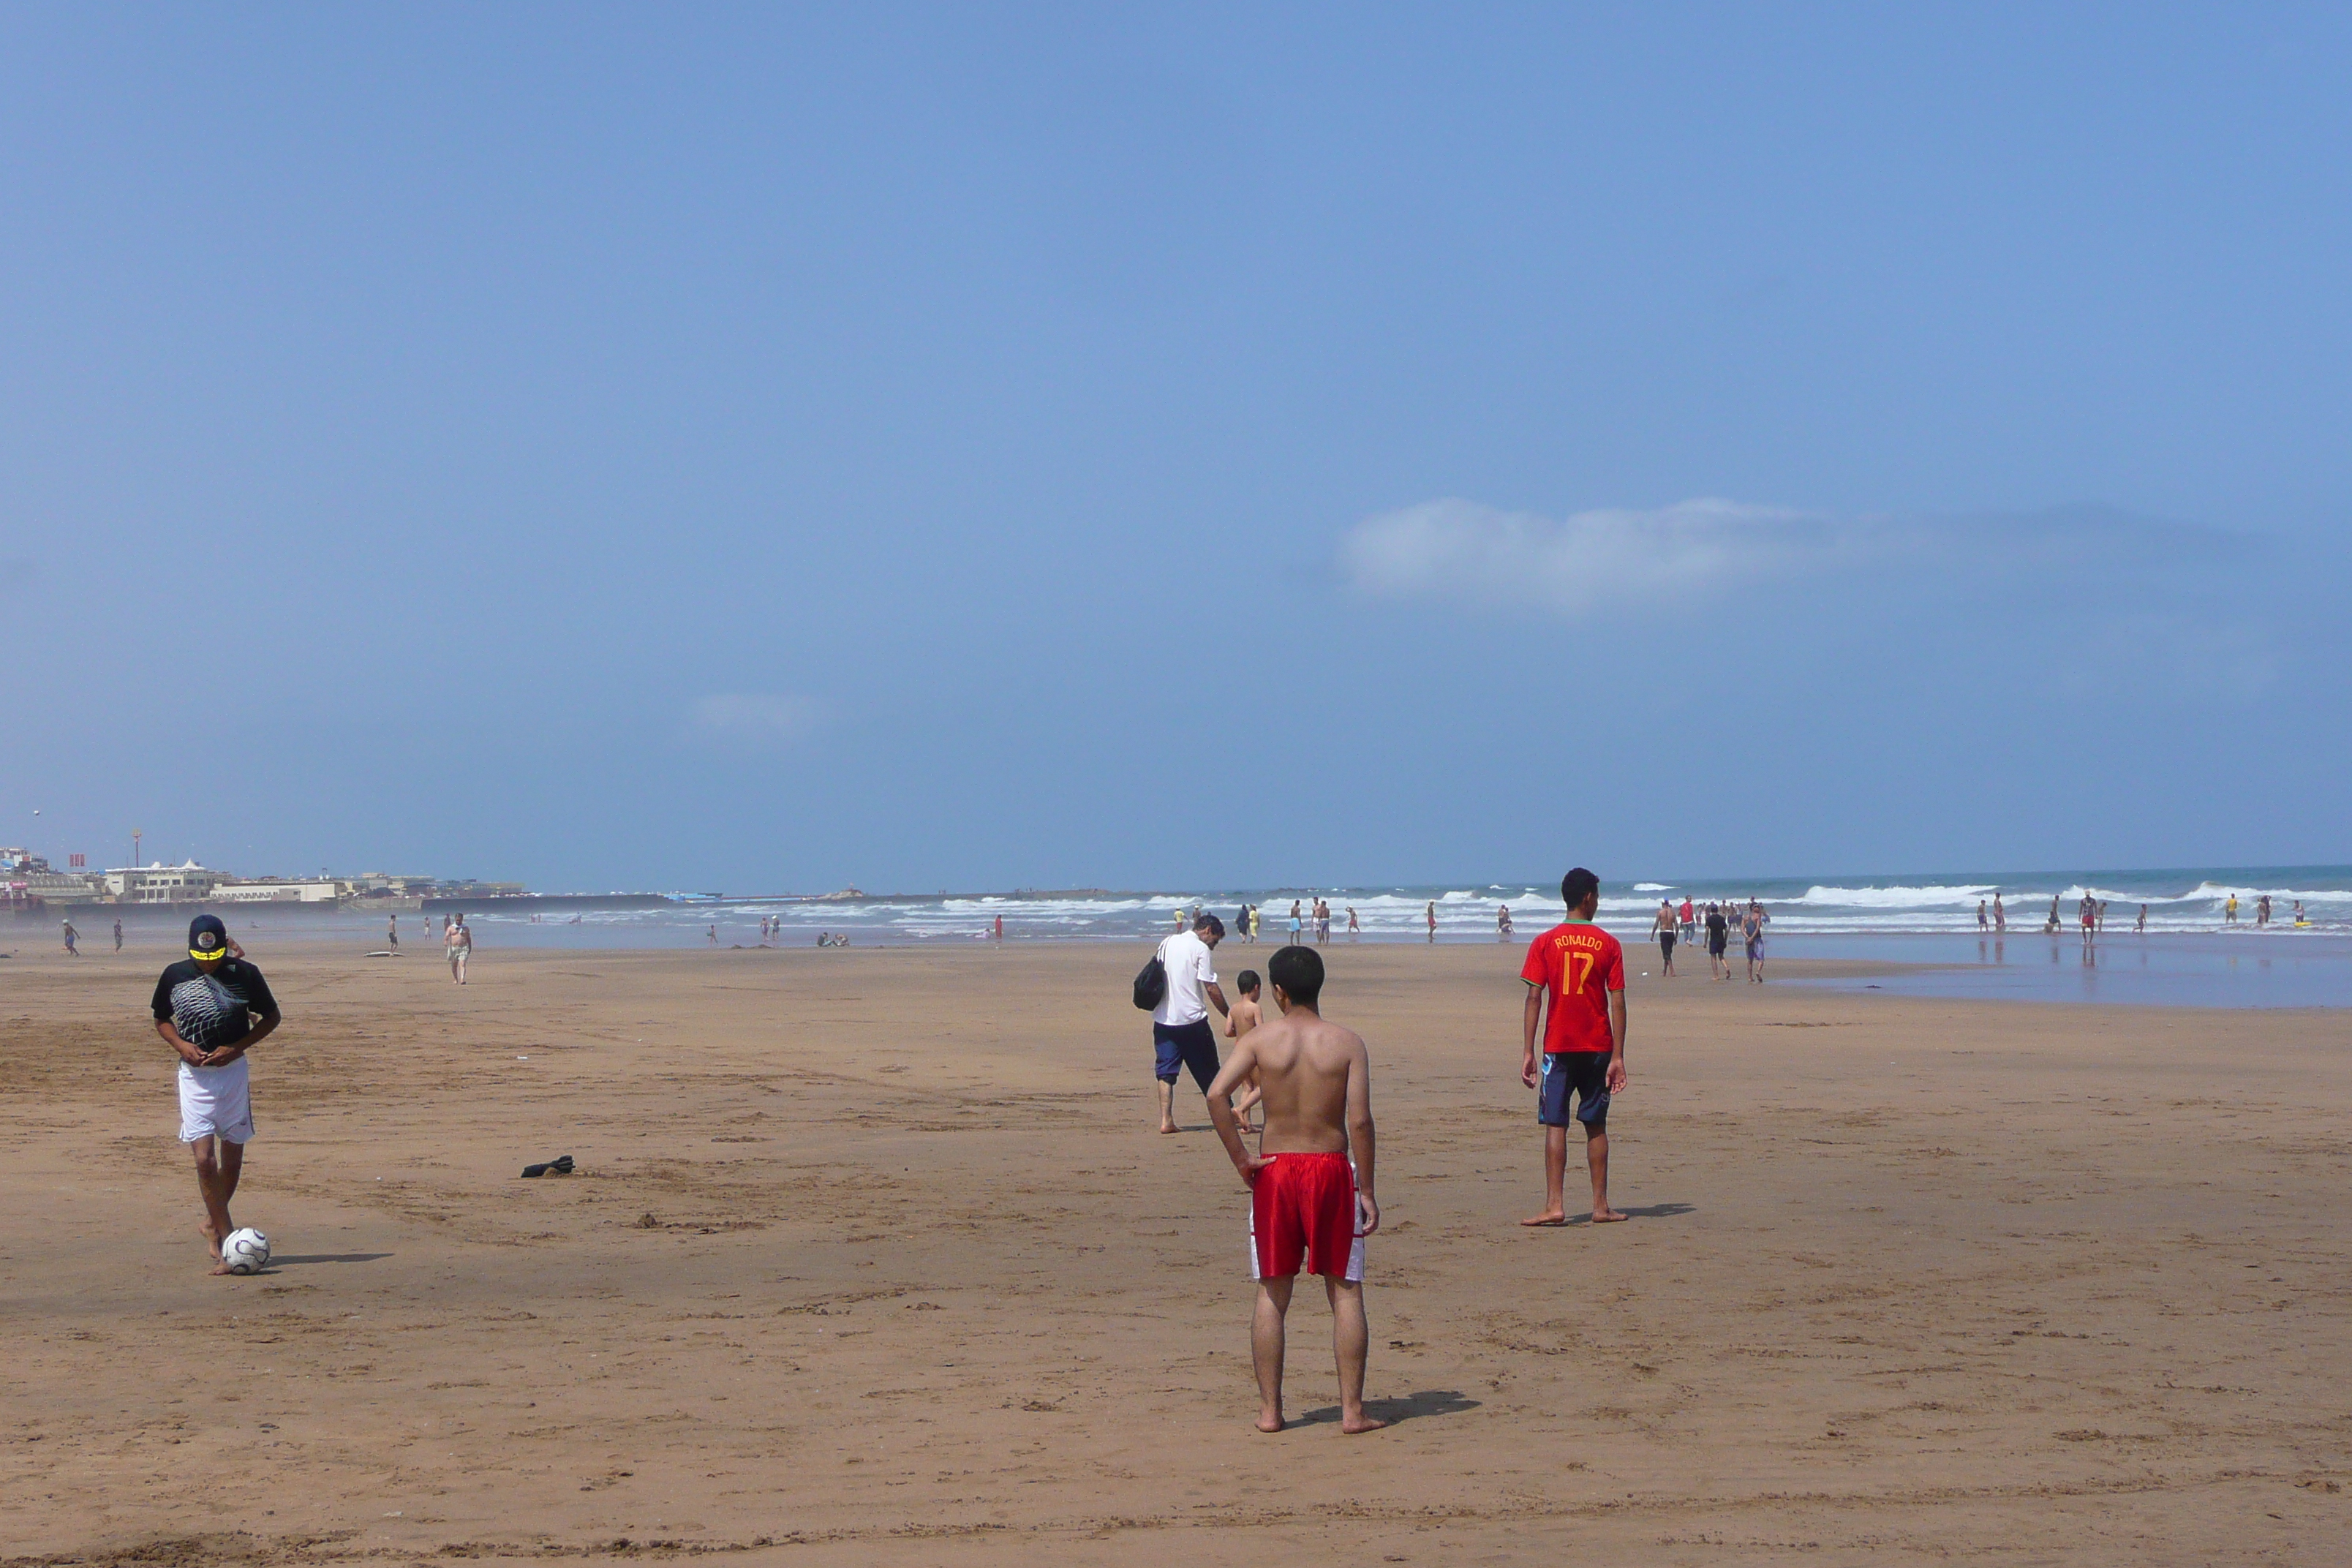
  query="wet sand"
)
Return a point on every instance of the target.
[{"x": 874, "y": 1257}]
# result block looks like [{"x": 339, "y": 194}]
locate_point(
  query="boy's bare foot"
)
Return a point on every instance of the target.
[
  {"x": 1361, "y": 1423},
  {"x": 222, "y": 1268},
  {"x": 1607, "y": 1216},
  {"x": 212, "y": 1239},
  {"x": 1266, "y": 1423},
  {"x": 1170, "y": 1127},
  {"x": 1549, "y": 1216}
]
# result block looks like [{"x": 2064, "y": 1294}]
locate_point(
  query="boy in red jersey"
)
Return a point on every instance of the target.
[
  {"x": 1582, "y": 970},
  {"x": 1310, "y": 1184}
]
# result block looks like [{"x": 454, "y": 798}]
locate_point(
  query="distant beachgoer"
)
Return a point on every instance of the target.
[
  {"x": 392, "y": 932},
  {"x": 1984, "y": 916},
  {"x": 1180, "y": 1040},
  {"x": 2000, "y": 915},
  {"x": 1254, "y": 921},
  {"x": 2103, "y": 917},
  {"x": 2300, "y": 918},
  {"x": 2142, "y": 927},
  {"x": 1432, "y": 912},
  {"x": 1322, "y": 921},
  {"x": 1354, "y": 929},
  {"x": 457, "y": 941},
  {"x": 1502, "y": 922},
  {"x": 1718, "y": 942},
  {"x": 118, "y": 933},
  {"x": 1244, "y": 1018},
  {"x": 1752, "y": 929},
  {"x": 1688, "y": 923},
  {"x": 2086, "y": 912},
  {"x": 72, "y": 937},
  {"x": 2052, "y": 927},
  {"x": 1663, "y": 926},
  {"x": 2262, "y": 910},
  {"x": 2229, "y": 909},
  {"x": 1580, "y": 970}
]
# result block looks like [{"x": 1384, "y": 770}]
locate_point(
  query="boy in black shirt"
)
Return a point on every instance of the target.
[{"x": 211, "y": 1008}]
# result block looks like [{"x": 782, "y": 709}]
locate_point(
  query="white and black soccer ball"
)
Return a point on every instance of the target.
[{"x": 245, "y": 1251}]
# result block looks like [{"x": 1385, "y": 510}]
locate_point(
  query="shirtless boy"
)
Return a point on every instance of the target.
[
  {"x": 212, "y": 1007},
  {"x": 1311, "y": 1183},
  {"x": 1246, "y": 1015},
  {"x": 1581, "y": 969}
]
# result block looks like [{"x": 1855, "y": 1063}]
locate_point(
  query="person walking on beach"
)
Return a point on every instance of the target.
[
  {"x": 211, "y": 1008},
  {"x": 1180, "y": 1038},
  {"x": 1310, "y": 1184},
  {"x": 1752, "y": 929},
  {"x": 1579, "y": 970},
  {"x": 1984, "y": 919},
  {"x": 1355, "y": 930},
  {"x": 1431, "y": 913},
  {"x": 2141, "y": 928},
  {"x": 1247, "y": 1015},
  {"x": 1689, "y": 924},
  {"x": 392, "y": 932},
  {"x": 1322, "y": 921},
  {"x": 1297, "y": 925},
  {"x": 2000, "y": 915},
  {"x": 2229, "y": 910},
  {"x": 1662, "y": 926},
  {"x": 457, "y": 943},
  {"x": 2052, "y": 927},
  {"x": 1502, "y": 922},
  {"x": 118, "y": 934},
  {"x": 2262, "y": 910},
  {"x": 72, "y": 937}
]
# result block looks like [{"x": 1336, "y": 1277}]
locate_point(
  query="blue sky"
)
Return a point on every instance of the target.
[{"x": 946, "y": 447}]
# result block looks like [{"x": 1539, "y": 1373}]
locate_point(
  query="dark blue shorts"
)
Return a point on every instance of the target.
[
  {"x": 1181, "y": 1045},
  {"x": 1583, "y": 1073}
]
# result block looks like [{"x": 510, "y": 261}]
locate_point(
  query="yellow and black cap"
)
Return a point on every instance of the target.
[{"x": 207, "y": 938}]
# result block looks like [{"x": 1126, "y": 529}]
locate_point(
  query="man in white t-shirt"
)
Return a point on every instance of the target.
[{"x": 1181, "y": 1036}]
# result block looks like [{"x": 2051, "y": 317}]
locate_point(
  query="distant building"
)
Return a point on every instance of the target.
[
  {"x": 312, "y": 891},
  {"x": 187, "y": 883}
]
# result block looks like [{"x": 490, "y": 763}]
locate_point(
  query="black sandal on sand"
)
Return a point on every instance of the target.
[{"x": 560, "y": 1165}]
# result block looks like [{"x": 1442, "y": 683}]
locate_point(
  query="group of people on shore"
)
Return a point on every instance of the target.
[
  {"x": 1673, "y": 926},
  {"x": 1311, "y": 1177},
  {"x": 1305, "y": 920}
]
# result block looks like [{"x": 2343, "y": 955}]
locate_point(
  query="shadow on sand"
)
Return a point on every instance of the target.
[
  {"x": 300, "y": 1258},
  {"x": 1396, "y": 1412},
  {"x": 1638, "y": 1211}
]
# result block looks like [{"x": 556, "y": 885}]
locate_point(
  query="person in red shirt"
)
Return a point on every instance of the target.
[{"x": 1581, "y": 969}]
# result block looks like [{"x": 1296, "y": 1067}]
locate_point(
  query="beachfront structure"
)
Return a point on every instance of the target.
[
  {"x": 303, "y": 892},
  {"x": 187, "y": 883}
]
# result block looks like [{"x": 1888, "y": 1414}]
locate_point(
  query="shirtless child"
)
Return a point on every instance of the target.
[
  {"x": 1244, "y": 1018},
  {"x": 1311, "y": 1184}
]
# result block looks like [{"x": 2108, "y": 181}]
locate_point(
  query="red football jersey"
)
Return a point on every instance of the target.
[{"x": 1580, "y": 964}]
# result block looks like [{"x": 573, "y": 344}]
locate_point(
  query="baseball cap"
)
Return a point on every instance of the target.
[{"x": 207, "y": 938}]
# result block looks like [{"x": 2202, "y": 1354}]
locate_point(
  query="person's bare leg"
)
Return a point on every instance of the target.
[
  {"x": 1555, "y": 1210},
  {"x": 213, "y": 1190},
  {"x": 1265, "y": 1350},
  {"x": 1249, "y": 1096},
  {"x": 1168, "y": 1106},
  {"x": 1351, "y": 1338},
  {"x": 1596, "y": 1160}
]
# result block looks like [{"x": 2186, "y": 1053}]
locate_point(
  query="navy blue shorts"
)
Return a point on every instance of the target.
[
  {"x": 1180, "y": 1046},
  {"x": 1584, "y": 1073}
]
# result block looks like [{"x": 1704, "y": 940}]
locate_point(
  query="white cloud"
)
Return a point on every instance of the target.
[
  {"x": 1461, "y": 550},
  {"x": 758, "y": 717}
]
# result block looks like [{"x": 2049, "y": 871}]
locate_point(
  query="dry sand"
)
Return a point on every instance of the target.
[{"x": 873, "y": 1257}]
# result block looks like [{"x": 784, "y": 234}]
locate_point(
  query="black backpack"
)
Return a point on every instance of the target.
[{"x": 1151, "y": 983}]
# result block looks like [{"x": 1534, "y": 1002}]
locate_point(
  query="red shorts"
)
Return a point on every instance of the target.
[{"x": 1303, "y": 1208}]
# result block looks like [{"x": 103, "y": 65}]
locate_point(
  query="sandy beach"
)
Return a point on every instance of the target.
[{"x": 873, "y": 1257}]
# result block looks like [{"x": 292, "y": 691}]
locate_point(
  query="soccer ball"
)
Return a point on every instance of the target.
[{"x": 245, "y": 1251}]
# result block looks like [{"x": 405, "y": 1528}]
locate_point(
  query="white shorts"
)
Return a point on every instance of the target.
[{"x": 216, "y": 1099}]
